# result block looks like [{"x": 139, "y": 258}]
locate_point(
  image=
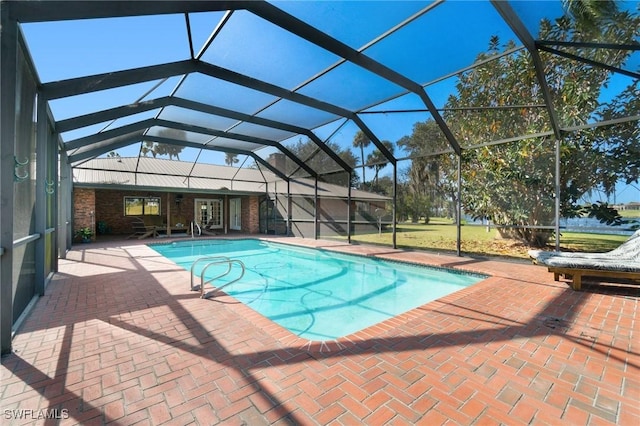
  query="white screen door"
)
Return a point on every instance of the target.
[{"x": 235, "y": 214}]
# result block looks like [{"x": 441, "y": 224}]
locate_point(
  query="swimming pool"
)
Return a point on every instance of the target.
[{"x": 317, "y": 294}]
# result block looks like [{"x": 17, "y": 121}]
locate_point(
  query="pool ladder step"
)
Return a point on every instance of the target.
[{"x": 213, "y": 261}]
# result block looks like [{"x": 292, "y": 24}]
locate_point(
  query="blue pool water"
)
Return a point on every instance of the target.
[{"x": 317, "y": 294}]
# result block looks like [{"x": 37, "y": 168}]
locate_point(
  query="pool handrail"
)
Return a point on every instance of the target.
[
  {"x": 211, "y": 258},
  {"x": 192, "y": 229},
  {"x": 229, "y": 262}
]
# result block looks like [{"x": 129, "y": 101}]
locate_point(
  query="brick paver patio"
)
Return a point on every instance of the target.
[{"x": 119, "y": 339}]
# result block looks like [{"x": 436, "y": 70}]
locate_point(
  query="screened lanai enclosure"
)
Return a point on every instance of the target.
[{"x": 326, "y": 119}]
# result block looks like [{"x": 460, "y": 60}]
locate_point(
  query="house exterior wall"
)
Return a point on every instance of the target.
[
  {"x": 96, "y": 207},
  {"x": 110, "y": 209},
  {"x": 104, "y": 208}
]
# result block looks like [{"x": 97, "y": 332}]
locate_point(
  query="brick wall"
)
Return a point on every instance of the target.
[
  {"x": 108, "y": 206},
  {"x": 84, "y": 208},
  {"x": 110, "y": 209},
  {"x": 251, "y": 215}
]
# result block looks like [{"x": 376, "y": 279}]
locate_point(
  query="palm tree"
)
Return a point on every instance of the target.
[
  {"x": 589, "y": 13},
  {"x": 362, "y": 141},
  {"x": 230, "y": 159},
  {"x": 172, "y": 150},
  {"x": 378, "y": 158},
  {"x": 146, "y": 148}
]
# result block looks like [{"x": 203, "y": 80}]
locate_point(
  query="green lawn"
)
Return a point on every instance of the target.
[
  {"x": 578, "y": 241},
  {"x": 630, "y": 214},
  {"x": 440, "y": 235}
]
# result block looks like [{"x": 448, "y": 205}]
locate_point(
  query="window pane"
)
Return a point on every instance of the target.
[
  {"x": 152, "y": 206},
  {"x": 142, "y": 206},
  {"x": 133, "y": 206}
]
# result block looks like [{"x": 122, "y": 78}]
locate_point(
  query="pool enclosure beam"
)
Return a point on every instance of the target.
[
  {"x": 262, "y": 86},
  {"x": 111, "y": 80},
  {"x": 114, "y": 143},
  {"x": 43, "y": 11},
  {"x": 394, "y": 233},
  {"x": 251, "y": 154},
  {"x": 42, "y": 191},
  {"x": 136, "y": 108},
  {"x": 170, "y": 141},
  {"x": 101, "y": 82},
  {"x": 8, "y": 93},
  {"x": 349, "y": 207},
  {"x": 65, "y": 235},
  {"x": 87, "y": 141},
  {"x": 313, "y": 35},
  {"x": 266, "y": 123},
  {"x": 288, "y": 233},
  {"x": 82, "y": 85},
  {"x": 62, "y": 89},
  {"x": 300, "y": 28},
  {"x": 238, "y": 137},
  {"x": 593, "y": 63},
  {"x": 459, "y": 208},
  {"x": 103, "y": 9},
  {"x": 151, "y": 122},
  {"x": 523, "y": 34}
]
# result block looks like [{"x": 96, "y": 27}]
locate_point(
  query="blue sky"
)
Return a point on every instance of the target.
[{"x": 98, "y": 46}]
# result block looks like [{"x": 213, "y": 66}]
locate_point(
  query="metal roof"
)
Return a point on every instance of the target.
[
  {"x": 253, "y": 78},
  {"x": 171, "y": 176}
]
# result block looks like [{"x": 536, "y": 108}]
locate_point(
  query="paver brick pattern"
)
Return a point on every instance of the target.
[{"x": 119, "y": 339}]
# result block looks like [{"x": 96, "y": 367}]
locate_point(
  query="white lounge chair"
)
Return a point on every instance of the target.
[
  {"x": 628, "y": 249},
  {"x": 622, "y": 262}
]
